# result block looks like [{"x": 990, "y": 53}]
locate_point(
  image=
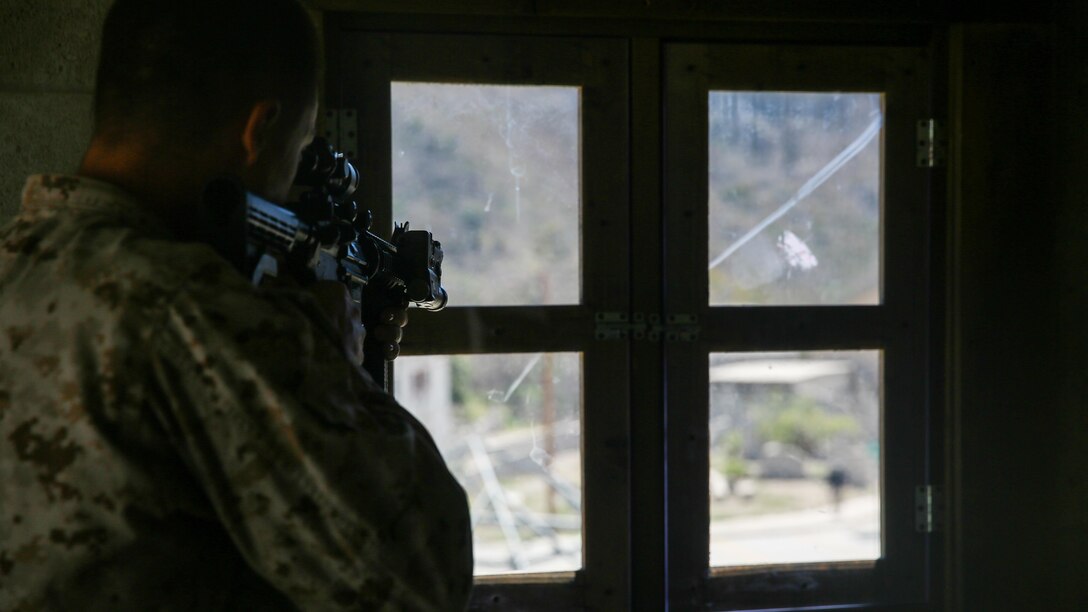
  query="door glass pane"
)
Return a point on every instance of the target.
[
  {"x": 509, "y": 427},
  {"x": 795, "y": 457},
  {"x": 794, "y": 198},
  {"x": 493, "y": 172}
]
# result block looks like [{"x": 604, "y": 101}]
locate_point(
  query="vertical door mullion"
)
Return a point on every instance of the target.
[
  {"x": 366, "y": 91},
  {"x": 648, "y": 562},
  {"x": 686, "y": 369},
  {"x": 606, "y": 288},
  {"x": 907, "y": 298}
]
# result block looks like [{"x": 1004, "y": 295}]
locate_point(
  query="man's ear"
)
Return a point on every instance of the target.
[{"x": 258, "y": 129}]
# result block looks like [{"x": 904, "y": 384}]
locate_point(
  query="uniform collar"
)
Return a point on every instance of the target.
[{"x": 50, "y": 193}]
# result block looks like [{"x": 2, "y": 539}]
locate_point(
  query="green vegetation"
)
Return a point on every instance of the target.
[
  {"x": 803, "y": 423},
  {"x": 731, "y": 463}
]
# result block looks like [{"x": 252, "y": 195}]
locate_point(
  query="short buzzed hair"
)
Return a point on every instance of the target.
[{"x": 190, "y": 67}]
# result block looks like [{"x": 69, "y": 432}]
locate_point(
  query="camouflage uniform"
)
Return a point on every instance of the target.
[{"x": 173, "y": 439}]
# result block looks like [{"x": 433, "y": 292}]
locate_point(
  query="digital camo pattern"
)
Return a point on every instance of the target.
[{"x": 173, "y": 439}]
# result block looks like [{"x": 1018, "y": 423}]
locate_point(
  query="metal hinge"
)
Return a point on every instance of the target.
[
  {"x": 637, "y": 326},
  {"x": 342, "y": 130},
  {"x": 928, "y": 508},
  {"x": 932, "y": 144},
  {"x": 620, "y": 326},
  {"x": 677, "y": 328}
]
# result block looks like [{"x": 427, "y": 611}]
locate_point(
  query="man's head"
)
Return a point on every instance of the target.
[{"x": 229, "y": 80}]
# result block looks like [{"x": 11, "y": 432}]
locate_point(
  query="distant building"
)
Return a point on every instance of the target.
[{"x": 423, "y": 385}]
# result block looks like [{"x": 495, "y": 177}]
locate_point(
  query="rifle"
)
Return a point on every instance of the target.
[{"x": 323, "y": 236}]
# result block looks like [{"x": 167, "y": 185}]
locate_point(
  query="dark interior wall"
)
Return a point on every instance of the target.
[
  {"x": 1003, "y": 410},
  {"x": 1019, "y": 422},
  {"x": 1071, "y": 261}
]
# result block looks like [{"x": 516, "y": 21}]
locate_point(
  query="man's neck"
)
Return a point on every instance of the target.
[{"x": 168, "y": 188}]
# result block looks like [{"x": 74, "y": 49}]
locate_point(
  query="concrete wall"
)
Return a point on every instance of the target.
[{"x": 49, "y": 49}]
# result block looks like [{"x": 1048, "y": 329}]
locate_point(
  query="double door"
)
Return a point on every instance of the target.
[{"x": 688, "y": 359}]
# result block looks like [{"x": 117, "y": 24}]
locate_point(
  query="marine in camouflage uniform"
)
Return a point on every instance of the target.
[{"x": 172, "y": 438}]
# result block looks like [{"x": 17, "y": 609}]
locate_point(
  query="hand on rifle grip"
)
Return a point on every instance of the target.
[{"x": 389, "y": 330}]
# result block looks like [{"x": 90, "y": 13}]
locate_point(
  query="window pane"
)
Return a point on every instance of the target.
[
  {"x": 795, "y": 457},
  {"x": 493, "y": 171},
  {"x": 795, "y": 194},
  {"x": 509, "y": 428}
]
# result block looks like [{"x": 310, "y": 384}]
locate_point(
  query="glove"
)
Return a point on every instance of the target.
[{"x": 388, "y": 330}]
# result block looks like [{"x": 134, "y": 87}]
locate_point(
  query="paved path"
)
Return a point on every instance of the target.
[{"x": 817, "y": 534}]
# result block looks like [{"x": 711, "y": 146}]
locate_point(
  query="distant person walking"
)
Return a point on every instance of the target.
[{"x": 836, "y": 479}]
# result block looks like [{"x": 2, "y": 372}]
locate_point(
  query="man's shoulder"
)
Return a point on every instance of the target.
[
  {"x": 172, "y": 266},
  {"x": 98, "y": 259},
  {"x": 81, "y": 256}
]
